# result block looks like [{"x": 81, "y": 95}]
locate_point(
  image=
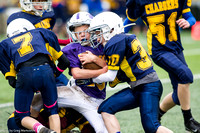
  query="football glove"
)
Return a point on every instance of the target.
[
  {"x": 12, "y": 81},
  {"x": 57, "y": 73},
  {"x": 114, "y": 82},
  {"x": 83, "y": 82}
]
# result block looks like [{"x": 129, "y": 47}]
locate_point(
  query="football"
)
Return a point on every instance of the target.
[{"x": 91, "y": 66}]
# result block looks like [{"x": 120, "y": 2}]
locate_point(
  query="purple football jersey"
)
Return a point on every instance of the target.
[{"x": 72, "y": 51}]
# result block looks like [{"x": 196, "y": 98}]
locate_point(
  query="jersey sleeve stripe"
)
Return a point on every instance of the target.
[
  {"x": 186, "y": 10},
  {"x": 129, "y": 17}
]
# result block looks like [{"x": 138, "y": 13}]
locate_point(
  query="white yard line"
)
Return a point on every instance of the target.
[{"x": 6, "y": 105}]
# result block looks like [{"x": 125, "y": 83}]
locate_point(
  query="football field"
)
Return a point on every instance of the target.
[{"x": 130, "y": 120}]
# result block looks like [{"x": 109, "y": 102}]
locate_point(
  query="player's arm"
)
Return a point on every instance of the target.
[
  {"x": 132, "y": 12},
  {"x": 127, "y": 22},
  {"x": 109, "y": 76},
  {"x": 79, "y": 73},
  {"x": 187, "y": 21},
  {"x": 63, "y": 63},
  {"x": 10, "y": 75},
  {"x": 7, "y": 68}
]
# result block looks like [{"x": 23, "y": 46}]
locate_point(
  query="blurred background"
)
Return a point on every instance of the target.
[{"x": 64, "y": 9}]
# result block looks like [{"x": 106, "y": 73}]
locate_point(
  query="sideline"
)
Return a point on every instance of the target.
[{"x": 164, "y": 81}]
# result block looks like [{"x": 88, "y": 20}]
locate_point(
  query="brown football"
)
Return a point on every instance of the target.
[{"x": 91, "y": 66}]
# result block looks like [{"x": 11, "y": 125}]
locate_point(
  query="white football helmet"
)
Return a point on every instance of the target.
[
  {"x": 78, "y": 19},
  {"x": 106, "y": 24},
  {"x": 29, "y": 5},
  {"x": 17, "y": 26}
]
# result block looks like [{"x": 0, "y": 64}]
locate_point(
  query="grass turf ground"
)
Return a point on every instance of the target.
[{"x": 130, "y": 120}]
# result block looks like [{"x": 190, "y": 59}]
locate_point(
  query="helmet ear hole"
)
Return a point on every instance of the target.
[{"x": 111, "y": 30}]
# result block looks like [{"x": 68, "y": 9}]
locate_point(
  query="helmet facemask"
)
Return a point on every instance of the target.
[
  {"x": 84, "y": 41},
  {"x": 38, "y": 7},
  {"x": 99, "y": 35},
  {"x": 77, "y": 20}
]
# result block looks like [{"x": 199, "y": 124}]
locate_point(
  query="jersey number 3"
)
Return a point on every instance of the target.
[
  {"x": 156, "y": 27},
  {"x": 25, "y": 47}
]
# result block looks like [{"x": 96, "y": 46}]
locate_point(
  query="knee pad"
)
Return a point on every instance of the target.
[
  {"x": 104, "y": 108},
  {"x": 51, "y": 110},
  {"x": 185, "y": 75}
]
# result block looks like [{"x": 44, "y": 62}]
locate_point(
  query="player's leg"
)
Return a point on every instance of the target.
[
  {"x": 122, "y": 100},
  {"x": 167, "y": 103},
  {"x": 150, "y": 94},
  {"x": 95, "y": 120},
  {"x": 111, "y": 122},
  {"x": 12, "y": 126},
  {"x": 49, "y": 96},
  {"x": 170, "y": 62},
  {"x": 75, "y": 98},
  {"x": 23, "y": 97},
  {"x": 181, "y": 76}
]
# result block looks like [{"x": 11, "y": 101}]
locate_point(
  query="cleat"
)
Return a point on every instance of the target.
[
  {"x": 46, "y": 130},
  {"x": 192, "y": 126}
]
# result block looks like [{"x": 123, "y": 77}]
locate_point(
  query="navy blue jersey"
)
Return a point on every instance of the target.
[
  {"x": 24, "y": 46},
  {"x": 160, "y": 16},
  {"x": 47, "y": 20},
  {"x": 126, "y": 54}
]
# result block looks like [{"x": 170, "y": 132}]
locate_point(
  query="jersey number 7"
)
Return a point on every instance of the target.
[{"x": 26, "y": 46}]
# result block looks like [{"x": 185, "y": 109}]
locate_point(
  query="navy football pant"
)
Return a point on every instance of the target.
[
  {"x": 30, "y": 80},
  {"x": 145, "y": 96},
  {"x": 177, "y": 69}
]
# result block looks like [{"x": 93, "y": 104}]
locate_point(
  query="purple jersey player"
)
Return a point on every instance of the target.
[{"x": 84, "y": 99}]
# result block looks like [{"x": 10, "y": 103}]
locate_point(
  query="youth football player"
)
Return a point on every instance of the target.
[
  {"x": 127, "y": 62},
  {"x": 31, "y": 53},
  {"x": 85, "y": 99},
  {"x": 164, "y": 45}
]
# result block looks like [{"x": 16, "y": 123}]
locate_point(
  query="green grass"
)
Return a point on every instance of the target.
[{"x": 130, "y": 120}]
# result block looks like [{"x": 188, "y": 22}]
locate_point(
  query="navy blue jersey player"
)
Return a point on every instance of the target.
[
  {"x": 164, "y": 45},
  {"x": 32, "y": 54},
  {"x": 127, "y": 62},
  {"x": 38, "y": 12}
]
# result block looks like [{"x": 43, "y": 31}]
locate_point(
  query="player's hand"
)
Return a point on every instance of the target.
[
  {"x": 87, "y": 57},
  {"x": 12, "y": 81},
  {"x": 182, "y": 23},
  {"x": 114, "y": 82},
  {"x": 83, "y": 82},
  {"x": 57, "y": 73}
]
